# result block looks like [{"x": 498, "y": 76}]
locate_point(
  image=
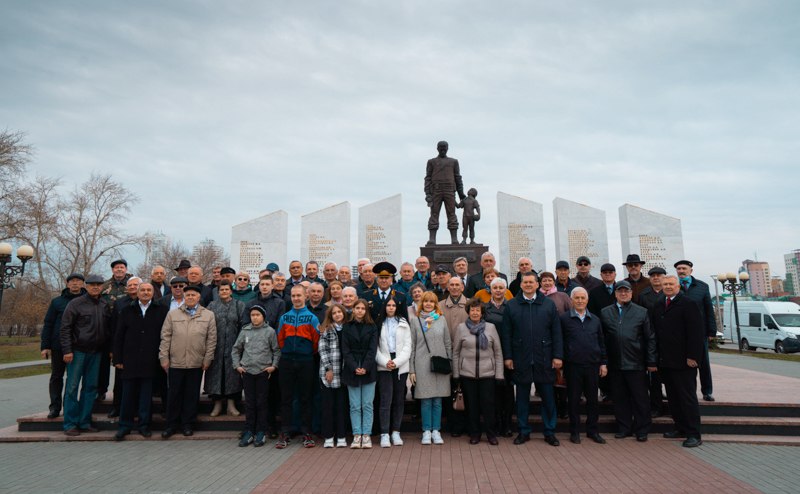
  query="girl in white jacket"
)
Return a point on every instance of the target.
[{"x": 394, "y": 352}]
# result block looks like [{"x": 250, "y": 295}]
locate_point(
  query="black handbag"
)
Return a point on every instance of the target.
[{"x": 439, "y": 365}]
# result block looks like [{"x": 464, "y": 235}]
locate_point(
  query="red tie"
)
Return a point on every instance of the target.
[{"x": 668, "y": 302}]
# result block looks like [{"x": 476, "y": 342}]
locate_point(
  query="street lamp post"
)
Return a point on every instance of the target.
[
  {"x": 8, "y": 272},
  {"x": 729, "y": 284}
]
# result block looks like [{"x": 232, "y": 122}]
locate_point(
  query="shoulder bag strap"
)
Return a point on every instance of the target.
[{"x": 423, "y": 334}]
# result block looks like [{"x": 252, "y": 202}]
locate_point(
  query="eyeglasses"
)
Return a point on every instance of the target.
[
  {"x": 179, "y": 286},
  {"x": 583, "y": 264},
  {"x": 242, "y": 278}
]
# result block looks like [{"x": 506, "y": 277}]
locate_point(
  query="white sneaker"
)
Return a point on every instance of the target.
[
  {"x": 436, "y": 437},
  {"x": 385, "y": 442},
  {"x": 426, "y": 437},
  {"x": 366, "y": 441},
  {"x": 341, "y": 442},
  {"x": 356, "y": 444},
  {"x": 396, "y": 438},
  {"x": 328, "y": 443}
]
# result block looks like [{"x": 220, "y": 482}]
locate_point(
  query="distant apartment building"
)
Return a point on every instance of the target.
[
  {"x": 760, "y": 279},
  {"x": 792, "y": 283},
  {"x": 776, "y": 287}
]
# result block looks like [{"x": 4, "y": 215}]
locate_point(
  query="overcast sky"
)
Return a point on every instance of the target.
[{"x": 218, "y": 112}]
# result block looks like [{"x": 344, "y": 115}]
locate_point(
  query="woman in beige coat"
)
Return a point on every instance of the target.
[{"x": 478, "y": 363}]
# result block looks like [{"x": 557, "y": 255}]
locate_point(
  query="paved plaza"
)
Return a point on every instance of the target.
[{"x": 195, "y": 466}]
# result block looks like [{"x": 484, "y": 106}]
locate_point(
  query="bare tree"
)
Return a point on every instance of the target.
[
  {"x": 14, "y": 157},
  {"x": 207, "y": 254},
  {"x": 89, "y": 224},
  {"x": 168, "y": 255}
]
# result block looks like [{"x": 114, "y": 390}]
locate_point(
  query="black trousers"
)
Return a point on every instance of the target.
[
  {"x": 479, "y": 401},
  {"x": 656, "y": 397},
  {"x": 582, "y": 379},
  {"x": 706, "y": 385},
  {"x": 504, "y": 402},
  {"x": 296, "y": 377},
  {"x": 681, "y": 387},
  {"x": 104, "y": 375},
  {"x": 256, "y": 393},
  {"x": 334, "y": 412},
  {"x": 57, "y": 370},
  {"x": 392, "y": 387},
  {"x": 274, "y": 401},
  {"x": 160, "y": 389},
  {"x": 137, "y": 399},
  {"x": 631, "y": 401},
  {"x": 184, "y": 396}
]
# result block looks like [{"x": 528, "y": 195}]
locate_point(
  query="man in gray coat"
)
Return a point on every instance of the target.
[{"x": 631, "y": 348}]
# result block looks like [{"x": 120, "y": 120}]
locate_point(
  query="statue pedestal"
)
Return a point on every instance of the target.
[{"x": 447, "y": 253}]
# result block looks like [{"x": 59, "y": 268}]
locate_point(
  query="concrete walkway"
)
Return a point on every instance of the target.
[{"x": 17, "y": 365}]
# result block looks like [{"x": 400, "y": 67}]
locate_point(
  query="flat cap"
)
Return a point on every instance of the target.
[
  {"x": 75, "y": 276},
  {"x": 608, "y": 267},
  {"x": 178, "y": 279},
  {"x": 656, "y": 270},
  {"x": 441, "y": 268},
  {"x": 227, "y": 270},
  {"x": 119, "y": 261},
  {"x": 273, "y": 267},
  {"x": 622, "y": 285},
  {"x": 95, "y": 279},
  {"x": 193, "y": 288},
  {"x": 684, "y": 261},
  {"x": 583, "y": 259}
]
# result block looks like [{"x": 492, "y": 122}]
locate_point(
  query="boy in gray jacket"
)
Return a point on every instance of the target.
[{"x": 255, "y": 356}]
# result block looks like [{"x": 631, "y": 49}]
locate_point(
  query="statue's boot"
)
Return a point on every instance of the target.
[
  {"x": 454, "y": 237},
  {"x": 432, "y": 239}
]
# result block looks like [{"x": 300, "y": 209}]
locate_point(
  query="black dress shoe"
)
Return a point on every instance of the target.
[
  {"x": 641, "y": 438},
  {"x": 187, "y": 431},
  {"x": 53, "y": 414},
  {"x": 145, "y": 431},
  {"x": 522, "y": 438},
  {"x": 708, "y": 398},
  {"x": 91, "y": 428},
  {"x": 114, "y": 413},
  {"x": 622, "y": 435},
  {"x": 474, "y": 440},
  {"x": 120, "y": 435},
  {"x": 674, "y": 435},
  {"x": 575, "y": 438},
  {"x": 168, "y": 432},
  {"x": 551, "y": 440},
  {"x": 692, "y": 442},
  {"x": 596, "y": 438},
  {"x": 493, "y": 440}
]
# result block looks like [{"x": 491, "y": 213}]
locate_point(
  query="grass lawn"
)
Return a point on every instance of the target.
[
  {"x": 791, "y": 357},
  {"x": 19, "y": 349},
  {"x": 32, "y": 370}
]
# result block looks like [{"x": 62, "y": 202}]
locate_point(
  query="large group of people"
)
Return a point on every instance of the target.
[{"x": 336, "y": 353}]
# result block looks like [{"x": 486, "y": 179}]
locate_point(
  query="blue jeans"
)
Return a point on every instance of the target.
[
  {"x": 84, "y": 367},
  {"x": 547, "y": 394},
  {"x": 431, "y": 414},
  {"x": 361, "y": 398}
]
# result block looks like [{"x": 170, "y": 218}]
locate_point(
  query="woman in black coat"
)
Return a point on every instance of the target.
[{"x": 360, "y": 371}]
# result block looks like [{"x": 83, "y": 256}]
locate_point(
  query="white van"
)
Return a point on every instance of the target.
[{"x": 771, "y": 325}]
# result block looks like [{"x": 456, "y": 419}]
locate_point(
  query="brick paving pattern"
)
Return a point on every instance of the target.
[
  {"x": 772, "y": 469},
  {"x": 621, "y": 466}
]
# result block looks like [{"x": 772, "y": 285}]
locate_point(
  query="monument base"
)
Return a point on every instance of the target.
[{"x": 447, "y": 253}]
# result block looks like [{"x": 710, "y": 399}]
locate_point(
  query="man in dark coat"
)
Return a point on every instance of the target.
[
  {"x": 533, "y": 349},
  {"x": 698, "y": 291},
  {"x": 84, "y": 335},
  {"x": 131, "y": 296},
  {"x": 158, "y": 278},
  {"x": 475, "y": 282},
  {"x": 584, "y": 362},
  {"x": 273, "y": 304},
  {"x": 679, "y": 329},
  {"x": 649, "y": 297},
  {"x": 51, "y": 347},
  {"x": 631, "y": 348},
  {"x": 635, "y": 277},
  {"x": 600, "y": 298},
  {"x": 377, "y": 297},
  {"x": 564, "y": 283},
  {"x": 113, "y": 288},
  {"x": 524, "y": 265},
  {"x": 195, "y": 278},
  {"x": 584, "y": 276},
  {"x": 136, "y": 340}
]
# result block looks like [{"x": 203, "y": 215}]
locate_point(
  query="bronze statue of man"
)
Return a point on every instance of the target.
[{"x": 442, "y": 183}]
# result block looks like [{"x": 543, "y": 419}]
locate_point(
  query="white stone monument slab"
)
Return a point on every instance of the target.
[
  {"x": 380, "y": 231},
  {"x": 657, "y": 238},
  {"x": 580, "y": 231},
  {"x": 325, "y": 235},
  {"x": 520, "y": 223},
  {"x": 257, "y": 242}
]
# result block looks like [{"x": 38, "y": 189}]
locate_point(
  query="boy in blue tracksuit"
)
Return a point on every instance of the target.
[{"x": 298, "y": 338}]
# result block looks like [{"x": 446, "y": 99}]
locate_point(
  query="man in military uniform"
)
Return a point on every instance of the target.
[
  {"x": 378, "y": 296},
  {"x": 442, "y": 182},
  {"x": 113, "y": 288}
]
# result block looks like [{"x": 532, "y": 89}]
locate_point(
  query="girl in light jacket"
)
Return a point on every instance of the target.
[{"x": 394, "y": 352}]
